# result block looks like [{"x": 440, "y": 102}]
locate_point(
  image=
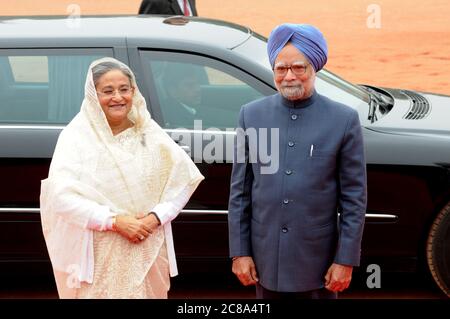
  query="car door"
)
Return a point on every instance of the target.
[{"x": 197, "y": 99}]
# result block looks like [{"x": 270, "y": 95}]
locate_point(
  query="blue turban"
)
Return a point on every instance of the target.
[{"x": 306, "y": 38}]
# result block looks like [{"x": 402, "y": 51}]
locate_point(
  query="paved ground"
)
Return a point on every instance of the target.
[{"x": 225, "y": 286}]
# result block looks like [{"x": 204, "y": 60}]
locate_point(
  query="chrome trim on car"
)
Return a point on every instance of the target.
[
  {"x": 184, "y": 211},
  {"x": 225, "y": 212},
  {"x": 388, "y": 216},
  {"x": 18, "y": 210},
  {"x": 32, "y": 126},
  {"x": 50, "y": 127},
  {"x": 204, "y": 211},
  {"x": 207, "y": 131}
]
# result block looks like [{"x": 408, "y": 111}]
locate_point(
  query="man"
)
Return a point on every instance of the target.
[
  {"x": 169, "y": 7},
  {"x": 284, "y": 229},
  {"x": 181, "y": 83}
]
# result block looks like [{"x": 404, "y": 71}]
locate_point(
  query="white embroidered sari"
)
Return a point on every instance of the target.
[{"x": 95, "y": 172}]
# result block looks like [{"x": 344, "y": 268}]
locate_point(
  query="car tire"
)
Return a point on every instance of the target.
[{"x": 438, "y": 249}]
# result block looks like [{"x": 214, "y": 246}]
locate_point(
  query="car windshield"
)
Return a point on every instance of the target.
[{"x": 344, "y": 85}]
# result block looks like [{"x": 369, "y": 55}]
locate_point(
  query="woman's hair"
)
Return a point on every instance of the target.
[{"x": 102, "y": 68}]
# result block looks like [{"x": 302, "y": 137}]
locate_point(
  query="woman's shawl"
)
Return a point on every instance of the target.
[{"x": 91, "y": 174}]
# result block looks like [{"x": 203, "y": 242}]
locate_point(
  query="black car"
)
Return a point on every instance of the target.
[{"x": 43, "y": 65}]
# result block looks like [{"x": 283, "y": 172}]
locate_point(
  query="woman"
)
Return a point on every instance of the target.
[{"x": 115, "y": 183}]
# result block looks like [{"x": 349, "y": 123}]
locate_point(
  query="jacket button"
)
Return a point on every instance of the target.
[
  {"x": 288, "y": 172},
  {"x": 291, "y": 143},
  {"x": 285, "y": 201},
  {"x": 294, "y": 117},
  {"x": 284, "y": 230}
]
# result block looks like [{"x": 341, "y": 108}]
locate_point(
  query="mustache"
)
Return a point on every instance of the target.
[{"x": 287, "y": 85}]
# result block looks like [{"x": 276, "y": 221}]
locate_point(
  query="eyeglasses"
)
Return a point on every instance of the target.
[
  {"x": 110, "y": 93},
  {"x": 298, "y": 68}
]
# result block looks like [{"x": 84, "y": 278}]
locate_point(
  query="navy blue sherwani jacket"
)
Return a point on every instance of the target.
[{"x": 287, "y": 219}]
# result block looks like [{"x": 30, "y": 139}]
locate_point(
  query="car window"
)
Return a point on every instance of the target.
[
  {"x": 189, "y": 87},
  {"x": 43, "y": 87},
  {"x": 20, "y": 66}
]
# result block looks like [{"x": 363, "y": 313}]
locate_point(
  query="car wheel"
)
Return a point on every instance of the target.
[{"x": 438, "y": 249}]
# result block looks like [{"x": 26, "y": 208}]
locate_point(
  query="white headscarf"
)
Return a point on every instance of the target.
[{"x": 89, "y": 166}]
